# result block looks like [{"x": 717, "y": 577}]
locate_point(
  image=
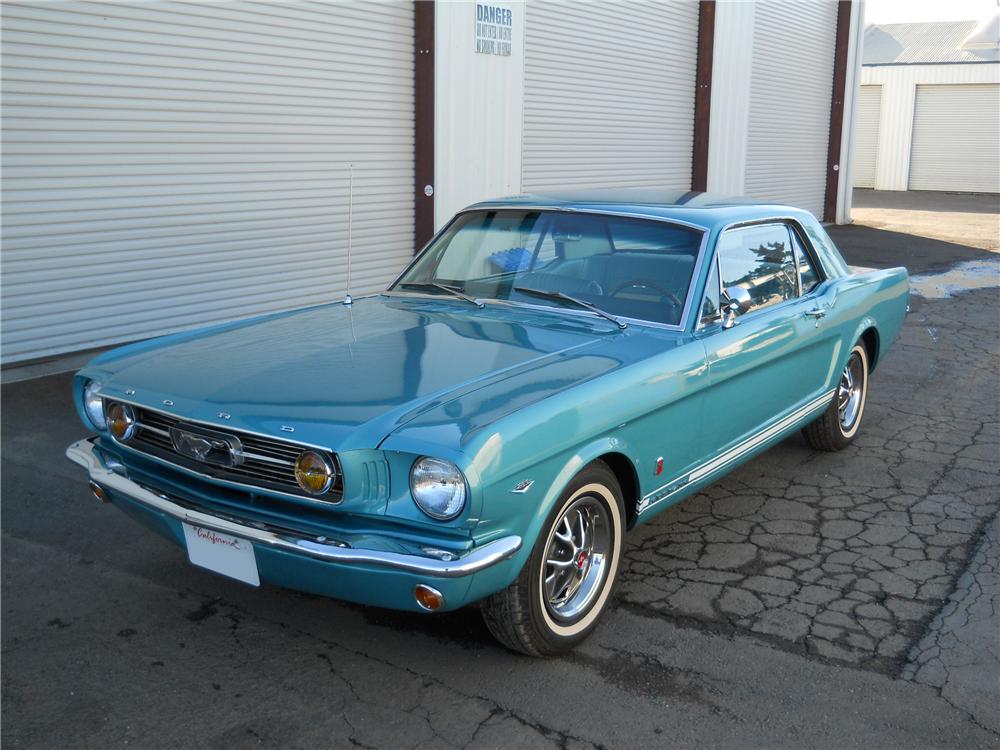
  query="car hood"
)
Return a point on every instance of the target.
[{"x": 345, "y": 377}]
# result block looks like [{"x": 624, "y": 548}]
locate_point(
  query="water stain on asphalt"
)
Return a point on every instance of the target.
[
  {"x": 206, "y": 610},
  {"x": 642, "y": 675},
  {"x": 973, "y": 274}
]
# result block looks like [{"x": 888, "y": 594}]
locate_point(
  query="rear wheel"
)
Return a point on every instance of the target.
[
  {"x": 563, "y": 589},
  {"x": 839, "y": 424}
]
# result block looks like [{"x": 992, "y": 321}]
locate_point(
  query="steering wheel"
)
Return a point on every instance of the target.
[{"x": 640, "y": 284}]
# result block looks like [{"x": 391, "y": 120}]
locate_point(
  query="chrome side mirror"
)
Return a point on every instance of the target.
[{"x": 735, "y": 301}]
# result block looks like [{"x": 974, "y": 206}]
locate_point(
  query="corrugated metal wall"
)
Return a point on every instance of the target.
[
  {"x": 899, "y": 84},
  {"x": 790, "y": 93},
  {"x": 169, "y": 165},
  {"x": 956, "y": 145},
  {"x": 609, "y": 94},
  {"x": 866, "y": 136}
]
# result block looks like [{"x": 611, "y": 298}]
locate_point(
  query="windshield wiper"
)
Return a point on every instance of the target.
[
  {"x": 573, "y": 300},
  {"x": 451, "y": 290}
]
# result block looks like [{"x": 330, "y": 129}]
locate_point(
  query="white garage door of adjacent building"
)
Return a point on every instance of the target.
[
  {"x": 608, "y": 95},
  {"x": 170, "y": 165},
  {"x": 955, "y": 144},
  {"x": 869, "y": 104},
  {"x": 790, "y": 95}
]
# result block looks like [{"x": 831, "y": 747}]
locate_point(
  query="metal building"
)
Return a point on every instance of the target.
[
  {"x": 929, "y": 107},
  {"x": 168, "y": 165}
]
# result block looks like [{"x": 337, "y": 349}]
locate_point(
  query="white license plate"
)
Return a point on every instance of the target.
[{"x": 228, "y": 555}]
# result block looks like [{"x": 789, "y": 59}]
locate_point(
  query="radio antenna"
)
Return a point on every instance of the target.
[{"x": 350, "y": 214}]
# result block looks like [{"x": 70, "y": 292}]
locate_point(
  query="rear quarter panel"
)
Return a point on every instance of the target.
[{"x": 873, "y": 299}]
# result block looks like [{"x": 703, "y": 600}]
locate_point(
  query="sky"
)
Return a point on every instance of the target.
[{"x": 914, "y": 11}]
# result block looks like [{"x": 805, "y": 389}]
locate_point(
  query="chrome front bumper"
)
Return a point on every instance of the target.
[{"x": 85, "y": 454}]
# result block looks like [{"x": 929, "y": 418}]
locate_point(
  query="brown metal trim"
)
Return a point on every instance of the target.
[
  {"x": 833, "y": 165},
  {"x": 703, "y": 94},
  {"x": 423, "y": 126}
]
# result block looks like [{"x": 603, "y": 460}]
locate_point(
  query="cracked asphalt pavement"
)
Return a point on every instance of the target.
[{"x": 807, "y": 599}]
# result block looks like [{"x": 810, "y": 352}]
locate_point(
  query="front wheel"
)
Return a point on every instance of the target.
[
  {"x": 838, "y": 425},
  {"x": 557, "y": 599}
]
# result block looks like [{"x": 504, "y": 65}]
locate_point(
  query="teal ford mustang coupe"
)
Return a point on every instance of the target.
[{"x": 548, "y": 372}]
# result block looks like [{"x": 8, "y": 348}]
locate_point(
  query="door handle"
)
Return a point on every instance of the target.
[{"x": 816, "y": 312}]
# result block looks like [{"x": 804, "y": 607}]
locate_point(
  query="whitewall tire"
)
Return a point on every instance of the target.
[{"x": 566, "y": 585}]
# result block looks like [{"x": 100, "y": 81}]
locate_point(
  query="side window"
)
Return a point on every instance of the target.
[
  {"x": 807, "y": 267},
  {"x": 759, "y": 259}
]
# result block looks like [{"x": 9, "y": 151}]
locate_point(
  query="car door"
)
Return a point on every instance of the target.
[{"x": 776, "y": 358}]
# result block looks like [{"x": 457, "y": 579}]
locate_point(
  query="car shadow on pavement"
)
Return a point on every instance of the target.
[{"x": 880, "y": 248}]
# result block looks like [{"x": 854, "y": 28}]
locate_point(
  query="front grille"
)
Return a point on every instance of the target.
[{"x": 267, "y": 463}]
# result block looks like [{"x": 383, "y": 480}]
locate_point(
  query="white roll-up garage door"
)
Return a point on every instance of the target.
[
  {"x": 866, "y": 136},
  {"x": 955, "y": 143},
  {"x": 790, "y": 95},
  {"x": 608, "y": 94},
  {"x": 168, "y": 165}
]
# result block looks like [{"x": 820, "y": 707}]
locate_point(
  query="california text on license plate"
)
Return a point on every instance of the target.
[{"x": 228, "y": 555}]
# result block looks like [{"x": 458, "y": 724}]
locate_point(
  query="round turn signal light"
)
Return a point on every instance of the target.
[
  {"x": 428, "y": 598},
  {"x": 313, "y": 472},
  {"x": 98, "y": 492},
  {"x": 121, "y": 421}
]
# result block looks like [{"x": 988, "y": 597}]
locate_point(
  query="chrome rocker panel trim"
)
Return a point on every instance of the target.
[
  {"x": 83, "y": 453},
  {"x": 735, "y": 453}
]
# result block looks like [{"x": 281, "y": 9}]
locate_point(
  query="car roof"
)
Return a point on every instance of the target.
[{"x": 706, "y": 210}]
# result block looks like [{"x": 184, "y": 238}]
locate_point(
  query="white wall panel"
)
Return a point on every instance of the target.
[
  {"x": 730, "y": 111},
  {"x": 866, "y": 136},
  {"x": 609, "y": 94},
  {"x": 790, "y": 97},
  {"x": 478, "y": 111},
  {"x": 168, "y": 165},
  {"x": 845, "y": 183},
  {"x": 956, "y": 138}
]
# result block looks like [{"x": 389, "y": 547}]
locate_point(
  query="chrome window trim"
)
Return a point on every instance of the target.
[
  {"x": 579, "y": 313},
  {"x": 702, "y": 323},
  {"x": 695, "y": 272},
  {"x": 799, "y": 240},
  {"x": 791, "y": 224}
]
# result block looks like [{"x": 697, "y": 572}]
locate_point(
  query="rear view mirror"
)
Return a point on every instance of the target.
[{"x": 735, "y": 301}]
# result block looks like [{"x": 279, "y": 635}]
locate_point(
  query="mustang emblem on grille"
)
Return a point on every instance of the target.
[{"x": 207, "y": 446}]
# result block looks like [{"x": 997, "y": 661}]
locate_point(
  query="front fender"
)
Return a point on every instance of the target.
[{"x": 526, "y": 513}]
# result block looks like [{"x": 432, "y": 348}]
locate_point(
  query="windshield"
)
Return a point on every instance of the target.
[{"x": 632, "y": 268}]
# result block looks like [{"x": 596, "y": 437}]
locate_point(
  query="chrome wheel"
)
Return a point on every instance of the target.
[
  {"x": 576, "y": 558},
  {"x": 850, "y": 392}
]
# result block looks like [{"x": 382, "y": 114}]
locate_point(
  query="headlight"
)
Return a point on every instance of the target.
[
  {"x": 438, "y": 488},
  {"x": 121, "y": 421},
  {"x": 313, "y": 472},
  {"x": 93, "y": 404}
]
